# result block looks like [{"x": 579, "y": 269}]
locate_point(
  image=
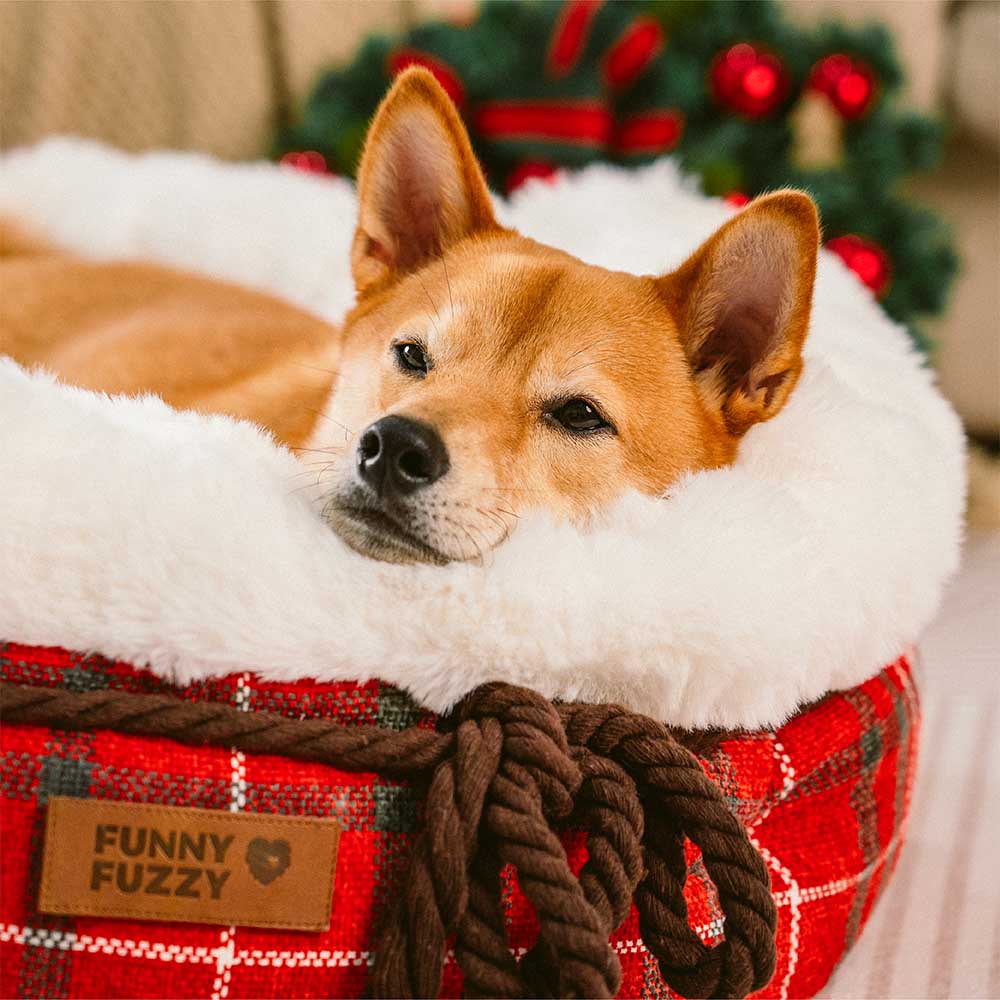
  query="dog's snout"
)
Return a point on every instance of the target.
[{"x": 397, "y": 455}]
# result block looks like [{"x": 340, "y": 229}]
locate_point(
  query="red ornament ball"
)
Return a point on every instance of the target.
[
  {"x": 736, "y": 198},
  {"x": 309, "y": 161},
  {"x": 531, "y": 169},
  {"x": 850, "y": 84},
  {"x": 749, "y": 80},
  {"x": 866, "y": 259}
]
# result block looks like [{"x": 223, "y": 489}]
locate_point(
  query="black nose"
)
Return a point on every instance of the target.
[{"x": 397, "y": 455}]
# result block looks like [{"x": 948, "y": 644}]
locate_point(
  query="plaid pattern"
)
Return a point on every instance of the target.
[{"x": 825, "y": 799}]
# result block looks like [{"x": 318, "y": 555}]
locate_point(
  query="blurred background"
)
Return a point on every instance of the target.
[{"x": 895, "y": 128}]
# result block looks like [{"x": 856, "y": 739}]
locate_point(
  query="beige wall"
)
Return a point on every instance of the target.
[{"x": 187, "y": 74}]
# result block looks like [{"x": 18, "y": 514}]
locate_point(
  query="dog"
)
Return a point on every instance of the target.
[{"x": 479, "y": 375}]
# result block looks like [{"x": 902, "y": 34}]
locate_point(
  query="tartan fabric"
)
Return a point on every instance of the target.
[{"x": 825, "y": 799}]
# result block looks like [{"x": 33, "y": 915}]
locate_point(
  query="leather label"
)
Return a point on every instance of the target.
[{"x": 143, "y": 862}]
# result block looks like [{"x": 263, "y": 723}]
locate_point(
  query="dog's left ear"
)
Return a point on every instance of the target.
[
  {"x": 420, "y": 188},
  {"x": 742, "y": 303}
]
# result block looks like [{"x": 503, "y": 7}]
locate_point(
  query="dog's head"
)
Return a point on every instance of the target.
[{"x": 484, "y": 374}]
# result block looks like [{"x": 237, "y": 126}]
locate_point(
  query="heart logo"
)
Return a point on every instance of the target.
[{"x": 267, "y": 859}]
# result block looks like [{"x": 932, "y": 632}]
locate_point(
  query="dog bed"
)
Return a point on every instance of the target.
[
  {"x": 825, "y": 798},
  {"x": 185, "y": 546}
]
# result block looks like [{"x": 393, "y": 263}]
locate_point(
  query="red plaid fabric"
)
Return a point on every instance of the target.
[{"x": 825, "y": 799}]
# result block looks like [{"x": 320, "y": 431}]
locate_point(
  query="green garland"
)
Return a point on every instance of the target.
[{"x": 546, "y": 85}]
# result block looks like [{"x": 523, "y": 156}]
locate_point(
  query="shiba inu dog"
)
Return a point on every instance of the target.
[{"x": 480, "y": 373}]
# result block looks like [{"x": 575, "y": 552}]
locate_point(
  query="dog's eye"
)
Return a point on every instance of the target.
[
  {"x": 579, "y": 417},
  {"x": 411, "y": 358}
]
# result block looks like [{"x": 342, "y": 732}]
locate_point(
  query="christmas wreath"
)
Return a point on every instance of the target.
[{"x": 747, "y": 101}]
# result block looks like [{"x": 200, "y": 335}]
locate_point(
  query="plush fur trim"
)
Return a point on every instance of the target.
[{"x": 177, "y": 541}]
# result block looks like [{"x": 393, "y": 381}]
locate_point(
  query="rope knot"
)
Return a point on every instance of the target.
[{"x": 535, "y": 747}]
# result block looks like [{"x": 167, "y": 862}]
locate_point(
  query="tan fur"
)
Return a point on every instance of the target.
[
  {"x": 681, "y": 365},
  {"x": 198, "y": 343}
]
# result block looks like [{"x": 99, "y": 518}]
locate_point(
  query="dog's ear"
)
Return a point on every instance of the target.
[
  {"x": 742, "y": 304},
  {"x": 420, "y": 188}
]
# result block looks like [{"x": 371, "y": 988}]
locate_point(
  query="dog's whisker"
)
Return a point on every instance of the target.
[
  {"x": 326, "y": 416},
  {"x": 431, "y": 301},
  {"x": 510, "y": 489},
  {"x": 451, "y": 301},
  {"x": 318, "y": 368},
  {"x": 309, "y": 466},
  {"x": 322, "y": 463},
  {"x": 581, "y": 368},
  {"x": 475, "y": 544},
  {"x": 504, "y": 535},
  {"x": 305, "y": 486},
  {"x": 328, "y": 461},
  {"x": 332, "y": 372},
  {"x": 333, "y": 450},
  {"x": 582, "y": 349},
  {"x": 505, "y": 528},
  {"x": 453, "y": 536},
  {"x": 304, "y": 472}
]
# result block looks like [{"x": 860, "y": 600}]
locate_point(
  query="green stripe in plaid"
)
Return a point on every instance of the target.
[{"x": 65, "y": 769}]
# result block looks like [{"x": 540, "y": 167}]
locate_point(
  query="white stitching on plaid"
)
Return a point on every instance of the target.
[
  {"x": 833, "y": 888},
  {"x": 784, "y": 762},
  {"x": 156, "y": 951},
  {"x": 226, "y": 952},
  {"x": 126, "y": 948},
  {"x": 307, "y": 959},
  {"x": 793, "y": 896},
  {"x": 40, "y": 937}
]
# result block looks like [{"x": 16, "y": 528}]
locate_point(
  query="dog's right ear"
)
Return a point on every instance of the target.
[
  {"x": 742, "y": 303},
  {"x": 420, "y": 188}
]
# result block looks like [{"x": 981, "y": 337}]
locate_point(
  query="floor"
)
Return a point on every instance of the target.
[{"x": 936, "y": 932}]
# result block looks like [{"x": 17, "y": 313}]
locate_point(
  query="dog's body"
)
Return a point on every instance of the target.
[
  {"x": 479, "y": 374},
  {"x": 199, "y": 343}
]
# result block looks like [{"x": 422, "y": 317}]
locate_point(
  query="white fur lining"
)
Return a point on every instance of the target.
[{"x": 179, "y": 541}]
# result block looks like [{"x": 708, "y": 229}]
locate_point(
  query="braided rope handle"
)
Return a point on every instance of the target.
[
  {"x": 609, "y": 811},
  {"x": 537, "y": 785},
  {"x": 682, "y": 801},
  {"x": 394, "y": 753}
]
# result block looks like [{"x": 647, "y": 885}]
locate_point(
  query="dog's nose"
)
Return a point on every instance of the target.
[{"x": 397, "y": 455}]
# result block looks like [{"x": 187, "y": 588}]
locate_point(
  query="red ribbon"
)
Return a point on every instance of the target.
[
  {"x": 569, "y": 37},
  {"x": 580, "y": 123},
  {"x": 649, "y": 132},
  {"x": 638, "y": 45}
]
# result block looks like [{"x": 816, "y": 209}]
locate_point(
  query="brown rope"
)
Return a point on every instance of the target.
[
  {"x": 501, "y": 774},
  {"x": 681, "y": 801},
  {"x": 395, "y": 754}
]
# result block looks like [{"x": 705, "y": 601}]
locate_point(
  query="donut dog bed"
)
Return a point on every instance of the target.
[{"x": 169, "y": 554}]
